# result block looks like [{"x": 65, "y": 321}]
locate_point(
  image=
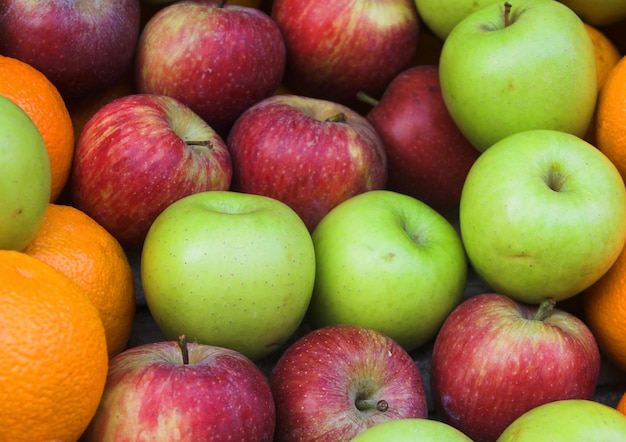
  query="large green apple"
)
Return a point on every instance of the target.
[
  {"x": 24, "y": 177},
  {"x": 505, "y": 69},
  {"x": 442, "y": 15},
  {"x": 571, "y": 420},
  {"x": 389, "y": 262},
  {"x": 598, "y": 12},
  {"x": 542, "y": 215},
  {"x": 229, "y": 269},
  {"x": 412, "y": 430}
]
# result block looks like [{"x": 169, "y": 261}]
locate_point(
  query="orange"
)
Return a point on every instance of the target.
[
  {"x": 611, "y": 117},
  {"x": 53, "y": 357},
  {"x": 607, "y": 54},
  {"x": 41, "y": 100},
  {"x": 621, "y": 405},
  {"x": 83, "y": 250},
  {"x": 604, "y": 306}
]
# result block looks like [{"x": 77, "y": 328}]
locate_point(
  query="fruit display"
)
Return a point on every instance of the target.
[{"x": 294, "y": 220}]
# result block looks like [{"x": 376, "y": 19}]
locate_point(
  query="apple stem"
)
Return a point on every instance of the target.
[
  {"x": 337, "y": 118},
  {"x": 545, "y": 309},
  {"x": 182, "y": 343},
  {"x": 222, "y": 3},
  {"x": 363, "y": 97},
  {"x": 206, "y": 143},
  {"x": 507, "y": 14},
  {"x": 370, "y": 404}
]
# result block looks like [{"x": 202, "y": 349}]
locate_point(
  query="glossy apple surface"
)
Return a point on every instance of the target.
[
  {"x": 392, "y": 251},
  {"x": 140, "y": 153},
  {"x": 24, "y": 177},
  {"x": 309, "y": 153},
  {"x": 336, "y": 49},
  {"x": 229, "y": 269},
  {"x": 412, "y": 430},
  {"x": 541, "y": 215},
  {"x": 494, "y": 359},
  {"x": 505, "y": 72},
  {"x": 151, "y": 393},
  {"x": 442, "y": 15},
  {"x": 335, "y": 382},
  {"x": 81, "y": 46},
  {"x": 218, "y": 60},
  {"x": 570, "y": 420}
]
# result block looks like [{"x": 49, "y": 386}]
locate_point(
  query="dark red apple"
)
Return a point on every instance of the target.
[
  {"x": 82, "y": 46},
  {"x": 309, "y": 153},
  {"x": 138, "y": 154},
  {"x": 494, "y": 359},
  {"x": 335, "y": 382},
  {"x": 217, "y": 59},
  {"x": 428, "y": 156}
]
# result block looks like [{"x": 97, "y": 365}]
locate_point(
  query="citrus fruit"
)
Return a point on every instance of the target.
[
  {"x": 83, "y": 250},
  {"x": 53, "y": 357},
  {"x": 604, "y": 305},
  {"x": 41, "y": 100},
  {"x": 607, "y": 54},
  {"x": 611, "y": 117},
  {"x": 621, "y": 405}
]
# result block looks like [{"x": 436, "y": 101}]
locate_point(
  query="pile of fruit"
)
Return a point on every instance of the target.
[{"x": 297, "y": 220}]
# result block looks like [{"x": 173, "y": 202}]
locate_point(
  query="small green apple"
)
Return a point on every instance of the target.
[
  {"x": 389, "y": 262},
  {"x": 229, "y": 269},
  {"x": 598, "y": 12},
  {"x": 542, "y": 215},
  {"x": 519, "y": 65},
  {"x": 442, "y": 15},
  {"x": 568, "y": 420},
  {"x": 412, "y": 430},
  {"x": 24, "y": 177}
]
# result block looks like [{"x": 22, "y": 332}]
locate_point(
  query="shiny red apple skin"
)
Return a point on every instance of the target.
[
  {"x": 428, "y": 157},
  {"x": 137, "y": 155},
  {"x": 492, "y": 362},
  {"x": 286, "y": 148},
  {"x": 319, "y": 377},
  {"x": 81, "y": 46},
  {"x": 218, "y": 61},
  {"x": 151, "y": 395}
]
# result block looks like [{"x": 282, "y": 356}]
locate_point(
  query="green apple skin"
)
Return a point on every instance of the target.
[
  {"x": 571, "y": 420},
  {"x": 598, "y": 12},
  {"x": 24, "y": 177},
  {"x": 229, "y": 269},
  {"x": 442, "y": 15},
  {"x": 539, "y": 72},
  {"x": 542, "y": 215},
  {"x": 412, "y": 430},
  {"x": 389, "y": 262}
]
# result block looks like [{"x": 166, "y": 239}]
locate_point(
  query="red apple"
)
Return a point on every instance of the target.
[
  {"x": 217, "y": 59},
  {"x": 335, "y": 382},
  {"x": 184, "y": 392},
  {"x": 309, "y": 153},
  {"x": 335, "y": 49},
  {"x": 82, "y": 46},
  {"x": 138, "y": 154},
  {"x": 494, "y": 359},
  {"x": 428, "y": 156}
]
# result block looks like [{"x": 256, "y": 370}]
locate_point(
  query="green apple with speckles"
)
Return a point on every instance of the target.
[
  {"x": 24, "y": 177},
  {"x": 412, "y": 430},
  {"x": 229, "y": 269}
]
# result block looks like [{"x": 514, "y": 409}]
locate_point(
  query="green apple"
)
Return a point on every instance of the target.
[
  {"x": 542, "y": 215},
  {"x": 510, "y": 67},
  {"x": 389, "y": 262},
  {"x": 568, "y": 420},
  {"x": 24, "y": 177},
  {"x": 598, "y": 12},
  {"x": 442, "y": 15},
  {"x": 412, "y": 430},
  {"x": 228, "y": 269}
]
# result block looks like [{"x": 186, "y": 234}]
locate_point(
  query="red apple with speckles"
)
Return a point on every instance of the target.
[
  {"x": 185, "y": 392},
  {"x": 311, "y": 154},
  {"x": 428, "y": 156},
  {"x": 494, "y": 359},
  {"x": 138, "y": 154}
]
